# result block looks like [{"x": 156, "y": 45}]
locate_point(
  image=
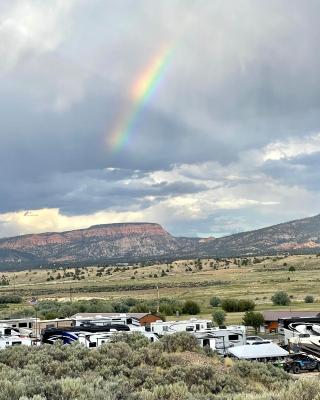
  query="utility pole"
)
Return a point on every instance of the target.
[
  {"x": 158, "y": 293},
  {"x": 14, "y": 284},
  {"x": 70, "y": 294}
]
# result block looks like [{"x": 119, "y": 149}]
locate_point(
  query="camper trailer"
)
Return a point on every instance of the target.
[
  {"x": 11, "y": 337},
  {"x": 224, "y": 337},
  {"x": 191, "y": 325},
  {"x": 100, "y": 320},
  {"x": 92, "y": 340},
  {"x": 219, "y": 339},
  {"x": 301, "y": 335},
  {"x": 298, "y": 328}
]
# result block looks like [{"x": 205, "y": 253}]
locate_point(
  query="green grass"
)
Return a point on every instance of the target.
[{"x": 254, "y": 281}]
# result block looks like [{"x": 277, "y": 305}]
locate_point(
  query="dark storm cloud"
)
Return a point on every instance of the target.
[
  {"x": 302, "y": 171},
  {"x": 243, "y": 74}
]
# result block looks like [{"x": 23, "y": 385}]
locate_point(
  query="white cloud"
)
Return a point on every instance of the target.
[
  {"x": 292, "y": 147},
  {"x": 31, "y": 27}
]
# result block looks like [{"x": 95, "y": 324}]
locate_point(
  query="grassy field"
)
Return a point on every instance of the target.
[{"x": 255, "y": 279}]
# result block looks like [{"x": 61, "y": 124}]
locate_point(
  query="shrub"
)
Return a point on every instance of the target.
[
  {"x": 280, "y": 299},
  {"x": 215, "y": 301},
  {"x": 234, "y": 305},
  {"x": 191, "y": 307},
  {"x": 309, "y": 299},
  {"x": 10, "y": 298}
]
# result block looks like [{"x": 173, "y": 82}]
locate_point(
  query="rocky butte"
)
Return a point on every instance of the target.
[{"x": 146, "y": 241}]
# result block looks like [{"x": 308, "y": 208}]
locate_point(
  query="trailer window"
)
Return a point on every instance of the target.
[
  {"x": 16, "y": 343},
  {"x": 189, "y": 328},
  {"x": 233, "y": 337},
  {"x": 23, "y": 325},
  {"x": 92, "y": 344}
]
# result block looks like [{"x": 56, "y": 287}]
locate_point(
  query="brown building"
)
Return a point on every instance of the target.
[
  {"x": 143, "y": 318},
  {"x": 271, "y": 318}
]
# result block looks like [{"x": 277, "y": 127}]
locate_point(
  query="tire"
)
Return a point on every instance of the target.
[
  {"x": 318, "y": 367},
  {"x": 296, "y": 369}
]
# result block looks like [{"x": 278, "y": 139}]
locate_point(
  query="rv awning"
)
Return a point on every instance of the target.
[{"x": 248, "y": 352}]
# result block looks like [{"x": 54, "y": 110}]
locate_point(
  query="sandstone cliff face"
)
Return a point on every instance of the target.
[
  {"x": 140, "y": 241},
  {"x": 114, "y": 241}
]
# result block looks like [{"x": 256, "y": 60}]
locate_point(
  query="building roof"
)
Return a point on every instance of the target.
[
  {"x": 248, "y": 352},
  {"x": 108, "y": 315},
  {"x": 276, "y": 315}
]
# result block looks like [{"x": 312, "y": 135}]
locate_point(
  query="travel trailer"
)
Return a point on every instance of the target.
[
  {"x": 301, "y": 335},
  {"x": 93, "y": 340},
  {"x": 11, "y": 337},
  {"x": 100, "y": 320},
  {"x": 191, "y": 325},
  {"x": 298, "y": 328},
  {"x": 70, "y": 334},
  {"x": 219, "y": 339},
  {"x": 224, "y": 337}
]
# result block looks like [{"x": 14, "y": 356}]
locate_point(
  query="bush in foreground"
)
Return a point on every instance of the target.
[{"x": 130, "y": 368}]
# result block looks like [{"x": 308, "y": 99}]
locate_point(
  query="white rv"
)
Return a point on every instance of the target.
[
  {"x": 218, "y": 339},
  {"x": 11, "y": 337},
  {"x": 99, "y": 320},
  {"x": 191, "y": 325},
  {"x": 92, "y": 340}
]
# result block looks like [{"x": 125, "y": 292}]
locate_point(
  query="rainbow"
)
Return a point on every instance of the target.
[{"x": 140, "y": 93}]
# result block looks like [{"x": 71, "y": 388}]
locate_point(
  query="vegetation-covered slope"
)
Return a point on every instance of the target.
[{"x": 132, "y": 369}]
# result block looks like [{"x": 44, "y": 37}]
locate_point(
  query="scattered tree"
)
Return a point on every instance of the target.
[
  {"x": 215, "y": 301},
  {"x": 254, "y": 319},
  {"x": 280, "y": 299},
  {"x": 218, "y": 316}
]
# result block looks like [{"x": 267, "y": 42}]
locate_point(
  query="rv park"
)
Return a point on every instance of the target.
[{"x": 286, "y": 329}]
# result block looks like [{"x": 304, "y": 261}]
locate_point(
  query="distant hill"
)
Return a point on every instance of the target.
[
  {"x": 299, "y": 236},
  {"x": 147, "y": 241}
]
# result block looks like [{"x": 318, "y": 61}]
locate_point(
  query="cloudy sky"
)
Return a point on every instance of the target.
[{"x": 228, "y": 140}]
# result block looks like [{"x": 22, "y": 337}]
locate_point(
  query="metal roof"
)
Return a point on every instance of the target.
[
  {"x": 275, "y": 315},
  {"x": 253, "y": 351}
]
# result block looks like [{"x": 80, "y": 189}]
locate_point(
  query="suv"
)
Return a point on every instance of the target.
[{"x": 302, "y": 362}]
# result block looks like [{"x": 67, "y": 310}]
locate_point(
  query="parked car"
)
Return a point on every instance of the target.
[
  {"x": 302, "y": 362},
  {"x": 256, "y": 340}
]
